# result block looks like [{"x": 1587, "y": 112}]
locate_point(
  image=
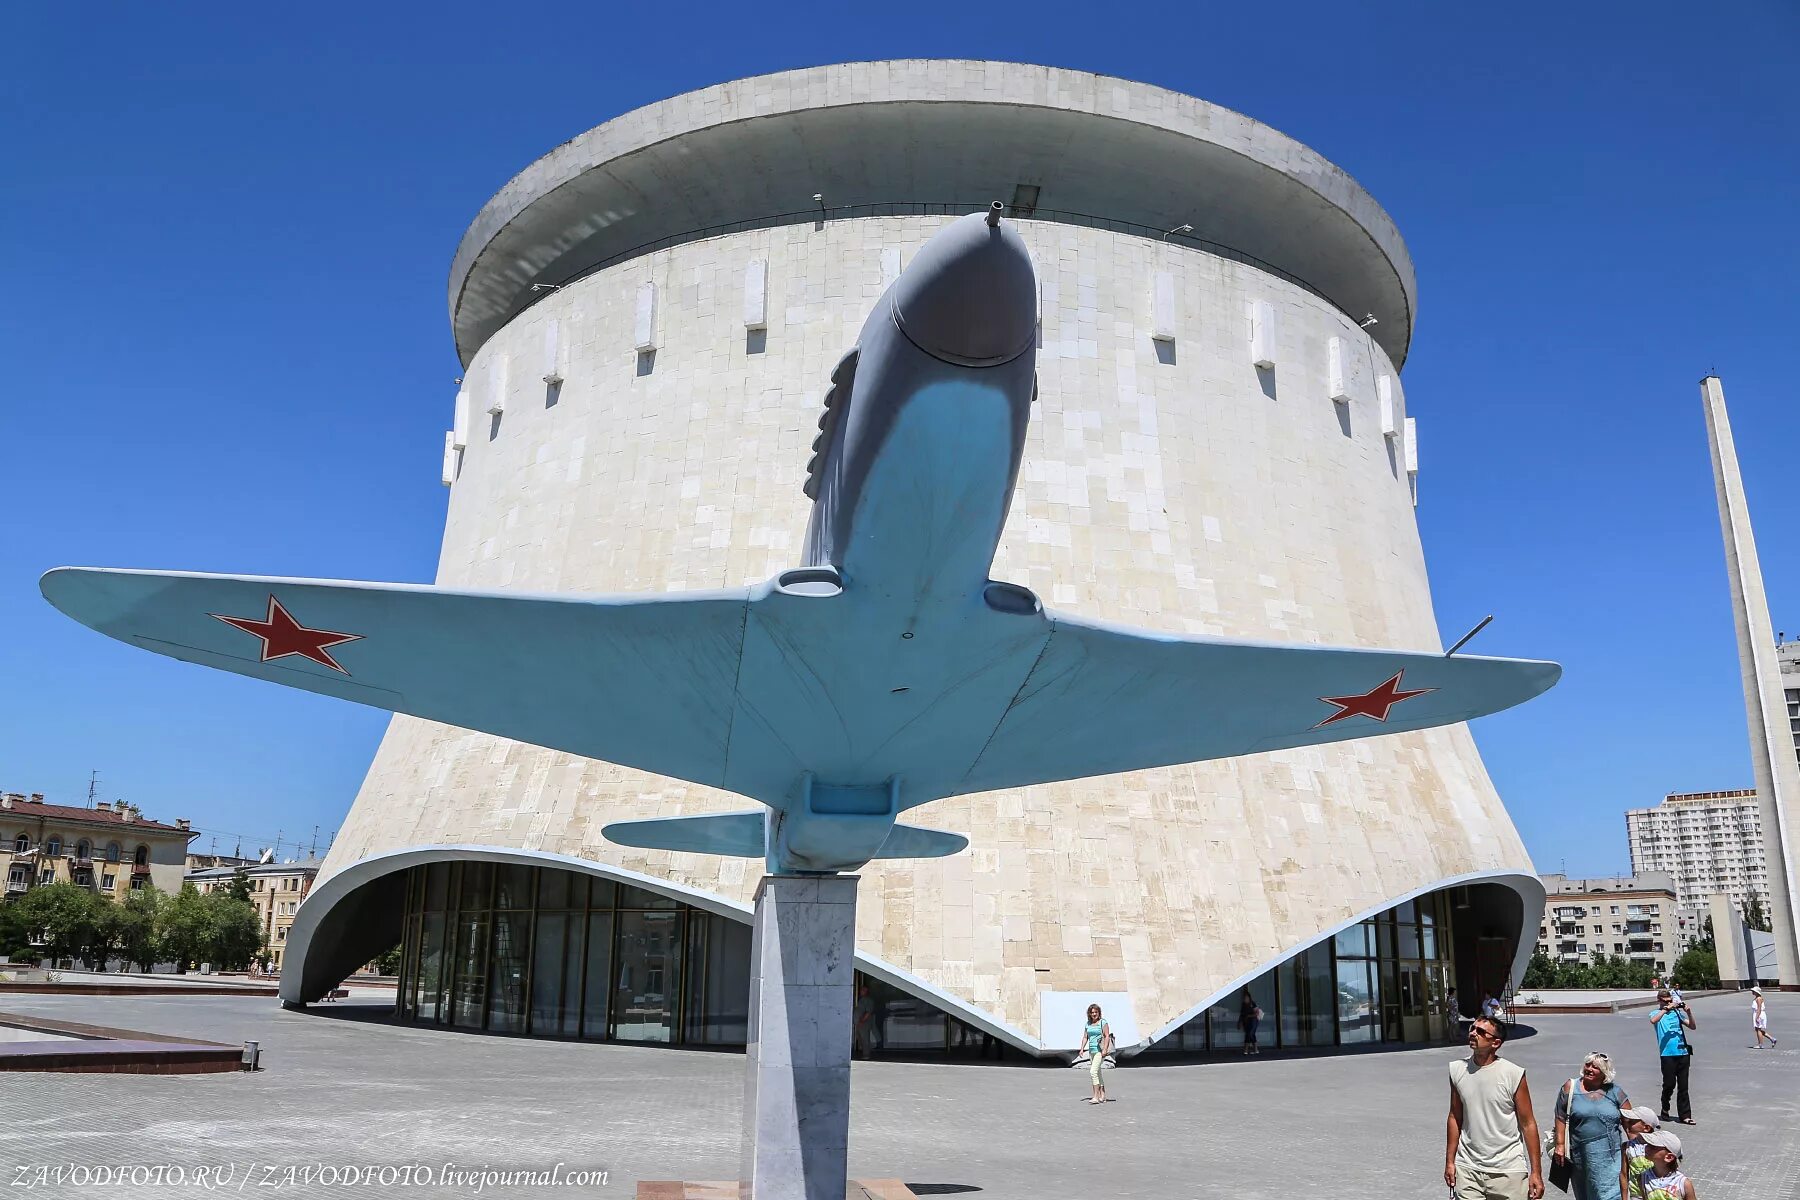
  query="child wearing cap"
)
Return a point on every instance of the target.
[
  {"x": 1636, "y": 1157},
  {"x": 1665, "y": 1179}
]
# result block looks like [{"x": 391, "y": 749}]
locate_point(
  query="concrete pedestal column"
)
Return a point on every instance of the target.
[{"x": 797, "y": 1082}]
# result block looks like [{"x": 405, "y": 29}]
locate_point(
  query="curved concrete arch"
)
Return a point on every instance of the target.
[
  {"x": 335, "y": 906},
  {"x": 1527, "y": 887}
]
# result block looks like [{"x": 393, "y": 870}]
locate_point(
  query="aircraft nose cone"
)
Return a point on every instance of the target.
[{"x": 970, "y": 296}]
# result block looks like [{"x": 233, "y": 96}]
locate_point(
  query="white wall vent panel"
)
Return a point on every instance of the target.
[
  {"x": 645, "y": 328},
  {"x": 1384, "y": 392},
  {"x": 449, "y": 457},
  {"x": 497, "y": 385},
  {"x": 1262, "y": 334},
  {"x": 1412, "y": 445},
  {"x": 756, "y": 294},
  {"x": 553, "y": 352},
  {"x": 1336, "y": 378},
  {"x": 459, "y": 424},
  {"x": 1162, "y": 306},
  {"x": 890, "y": 267}
]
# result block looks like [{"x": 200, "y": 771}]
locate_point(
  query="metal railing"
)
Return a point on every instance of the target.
[{"x": 920, "y": 208}]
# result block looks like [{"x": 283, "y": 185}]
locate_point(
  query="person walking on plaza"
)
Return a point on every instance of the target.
[
  {"x": 1097, "y": 1037},
  {"x": 1672, "y": 1021},
  {"x": 1491, "y": 1135},
  {"x": 1249, "y": 1020},
  {"x": 1759, "y": 1019},
  {"x": 1590, "y": 1132},
  {"x": 1636, "y": 1153},
  {"x": 1664, "y": 1179}
]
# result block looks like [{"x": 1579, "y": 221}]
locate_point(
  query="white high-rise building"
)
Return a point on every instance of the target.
[{"x": 1711, "y": 843}]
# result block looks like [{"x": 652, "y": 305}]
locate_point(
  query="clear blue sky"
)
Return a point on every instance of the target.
[{"x": 227, "y": 229}]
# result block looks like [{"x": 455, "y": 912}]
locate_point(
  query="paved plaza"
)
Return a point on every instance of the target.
[{"x": 338, "y": 1090}]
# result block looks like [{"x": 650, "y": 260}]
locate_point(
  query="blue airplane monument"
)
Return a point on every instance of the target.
[{"x": 885, "y": 671}]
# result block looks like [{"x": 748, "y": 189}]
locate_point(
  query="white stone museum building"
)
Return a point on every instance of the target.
[{"x": 649, "y": 317}]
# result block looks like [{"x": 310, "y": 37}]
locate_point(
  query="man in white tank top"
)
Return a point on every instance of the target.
[{"x": 1491, "y": 1150}]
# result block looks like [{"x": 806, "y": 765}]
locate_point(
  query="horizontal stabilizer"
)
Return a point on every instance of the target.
[
  {"x": 909, "y": 841},
  {"x": 643, "y": 681},
  {"x": 735, "y": 835}
]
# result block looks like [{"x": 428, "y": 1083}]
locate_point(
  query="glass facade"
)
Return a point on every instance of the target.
[
  {"x": 542, "y": 951},
  {"x": 552, "y": 953},
  {"x": 1386, "y": 979}
]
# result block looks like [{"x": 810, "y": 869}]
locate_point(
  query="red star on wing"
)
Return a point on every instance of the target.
[
  {"x": 282, "y": 635},
  {"x": 1373, "y": 703}
]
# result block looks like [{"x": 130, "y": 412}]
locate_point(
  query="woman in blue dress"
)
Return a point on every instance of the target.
[{"x": 1589, "y": 1132}]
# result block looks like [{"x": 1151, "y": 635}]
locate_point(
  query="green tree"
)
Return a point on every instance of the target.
[
  {"x": 1754, "y": 916},
  {"x": 183, "y": 933},
  {"x": 138, "y": 916},
  {"x": 1540, "y": 972},
  {"x": 65, "y": 914},
  {"x": 234, "y": 931},
  {"x": 107, "y": 936},
  {"x": 388, "y": 962},
  {"x": 15, "y": 932},
  {"x": 1696, "y": 969},
  {"x": 1572, "y": 975},
  {"x": 1705, "y": 940},
  {"x": 239, "y": 887}
]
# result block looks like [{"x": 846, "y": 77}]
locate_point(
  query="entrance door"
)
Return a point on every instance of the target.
[{"x": 1412, "y": 1002}]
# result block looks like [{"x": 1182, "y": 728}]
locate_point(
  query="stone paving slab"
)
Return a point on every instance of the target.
[{"x": 341, "y": 1092}]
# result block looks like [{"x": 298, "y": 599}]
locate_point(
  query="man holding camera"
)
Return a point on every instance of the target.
[{"x": 1672, "y": 1020}]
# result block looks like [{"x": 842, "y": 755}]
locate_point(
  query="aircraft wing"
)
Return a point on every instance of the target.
[
  {"x": 646, "y": 682},
  {"x": 1105, "y": 698}
]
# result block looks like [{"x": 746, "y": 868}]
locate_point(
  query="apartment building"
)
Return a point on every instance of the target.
[
  {"x": 1710, "y": 842},
  {"x": 1637, "y": 916},
  {"x": 276, "y": 889},
  {"x": 110, "y": 848}
]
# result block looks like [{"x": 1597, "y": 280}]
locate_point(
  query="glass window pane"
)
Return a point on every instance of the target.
[
  {"x": 470, "y": 986},
  {"x": 1428, "y": 941},
  {"x": 636, "y": 897},
  {"x": 605, "y": 893},
  {"x": 506, "y": 972},
  {"x": 549, "y": 956},
  {"x": 1355, "y": 1003},
  {"x": 647, "y": 976},
  {"x": 553, "y": 888},
  {"x": 1227, "y": 1021},
  {"x": 597, "y": 975},
  {"x": 903, "y": 1022},
  {"x": 430, "y": 985},
  {"x": 719, "y": 1000},
  {"x": 1291, "y": 981},
  {"x": 477, "y": 881},
  {"x": 1322, "y": 999},
  {"x": 1354, "y": 942},
  {"x": 437, "y": 886},
  {"x": 512, "y": 886},
  {"x": 1384, "y": 930},
  {"x": 1409, "y": 939}
]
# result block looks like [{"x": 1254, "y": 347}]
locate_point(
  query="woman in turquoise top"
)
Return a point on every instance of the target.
[
  {"x": 1097, "y": 1037},
  {"x": 1589, "y": 1132}
]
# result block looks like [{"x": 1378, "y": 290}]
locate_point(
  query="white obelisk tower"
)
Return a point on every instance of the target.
[{"x": 1771, "y": 742}]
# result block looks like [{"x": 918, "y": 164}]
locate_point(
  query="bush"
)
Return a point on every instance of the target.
[
  {"x": 1696, "y": 969},
  {"x": 1540, "y": 972}
]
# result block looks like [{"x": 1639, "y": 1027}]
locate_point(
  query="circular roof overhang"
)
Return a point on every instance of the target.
[{"x": 754, "y": 152}]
